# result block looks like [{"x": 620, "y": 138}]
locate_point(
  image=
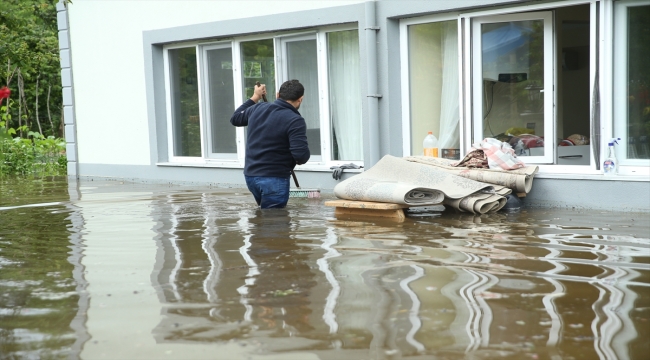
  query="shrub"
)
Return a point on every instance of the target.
[{"x": 34, "y": 155}]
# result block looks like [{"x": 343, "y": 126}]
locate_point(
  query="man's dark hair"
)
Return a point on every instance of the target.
[{"x": 291, "y": 90}]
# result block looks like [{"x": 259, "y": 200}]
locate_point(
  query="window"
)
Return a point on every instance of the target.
[
  {"x": 632, "y": 81},
  {"x": 185, "y": 119},
  {"x": 257, "y": 64},
  {"x": 527, "y": 79},
  {"x": 530, "y": 79},
  {"x": 220, "y": 100},
  {"x": 433, "y": 87},
  {"x": 300, "y": 61},
  {"x": 344, "y": 91},
  {"x": 513, "y": 83},
  {"x": 204, "y": 90}
]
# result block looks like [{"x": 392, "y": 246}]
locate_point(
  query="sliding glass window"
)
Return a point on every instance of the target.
[
  {"x": 184, "y": 94},
  {"x": 301, "y": 60},
  {"x": 220, "y": 95},
  {"x": 206, "y": 82},
  {"x": 258, "y": 64},
  {"x": 433, "y": 78},
  {"x": 632, "y": 81}
]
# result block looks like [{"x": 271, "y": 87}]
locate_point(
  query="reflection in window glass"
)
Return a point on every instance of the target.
[
  {"x": 185, "y": 102},
  {"x": 302, "y": 64},
  {"x": 345, "y": 95},
  {"x": 434, "y": 81},
  {"x": 221, "y": 92},
  {"x": 258, "y": 65},
  {"x": 513, "y": 80},
  {"x": 638, "y": 121}
]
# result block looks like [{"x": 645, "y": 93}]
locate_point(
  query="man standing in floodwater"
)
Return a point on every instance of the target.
[{"x": 276, "y": 142}]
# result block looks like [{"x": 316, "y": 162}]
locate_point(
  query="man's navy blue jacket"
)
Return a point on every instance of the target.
[{"x": 277, "y": 137}]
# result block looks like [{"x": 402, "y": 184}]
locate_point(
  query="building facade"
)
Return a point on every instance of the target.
[{"x": 149, "y": 87}]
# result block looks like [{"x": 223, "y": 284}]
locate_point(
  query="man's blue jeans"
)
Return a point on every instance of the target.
[{"x": 269, "y": 192}]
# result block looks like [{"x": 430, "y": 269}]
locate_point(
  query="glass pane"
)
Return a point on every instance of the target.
[
  {"x": 638, "y": 121},
  {"x": 345, "y": 95},
  {"x": 258, "y": 64},
  {"x": 513, "y": 80},
  {"x": 222, "y": 99},
  {"x": 434, "y": 91},
  {"x": 185, "y": 102},
  {"x": 573, "y": 107},
  {"x": 302, "y": 65}
]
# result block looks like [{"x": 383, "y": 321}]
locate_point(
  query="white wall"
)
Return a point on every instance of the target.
[{"x": 108, "y": 65}]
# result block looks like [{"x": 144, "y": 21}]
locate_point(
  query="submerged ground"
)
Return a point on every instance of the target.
[{"x": 105, "y": 269}]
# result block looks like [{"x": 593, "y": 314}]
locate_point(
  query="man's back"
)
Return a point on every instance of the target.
[{"x": 276, "y": 138}]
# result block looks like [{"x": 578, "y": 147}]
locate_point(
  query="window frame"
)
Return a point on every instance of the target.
[
  {"x": 239, "y": 87},
  {"x": 598, "y": 25},
  {"x": 282, "y": 74},
  {"x": 620, "y": 92},
  {"x": 168, "y": 104},
  {"x": 320, "y": 163},
  {"x": 550, "y": 80},
  {"x": 326, "y": 121},
  {"x": 466, "y": 58},
  {"x": 205, "y": 106},
  {"x": 405, "y": 80}
]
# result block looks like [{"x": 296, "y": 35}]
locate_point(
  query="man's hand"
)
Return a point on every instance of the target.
[{"x": 259, "y": 92}]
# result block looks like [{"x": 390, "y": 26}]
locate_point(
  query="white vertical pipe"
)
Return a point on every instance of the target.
[{"x": 372, "y": 98}]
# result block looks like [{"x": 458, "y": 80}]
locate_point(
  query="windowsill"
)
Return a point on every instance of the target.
[
  {"x": 226, "y": 165},
  {"x": 317, "y": 167},
  {"x": 320, "y": 167},
  {"x": 618, "y": 177}
]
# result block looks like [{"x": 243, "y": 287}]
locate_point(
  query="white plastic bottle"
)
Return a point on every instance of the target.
[
  {"x": 610, "y": 165},
  {"x": 430, "y": 145}
]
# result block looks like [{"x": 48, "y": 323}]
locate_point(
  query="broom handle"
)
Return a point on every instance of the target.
[{"x": 295, "y": 179}]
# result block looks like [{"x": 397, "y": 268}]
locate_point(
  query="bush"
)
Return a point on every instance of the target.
[{"x": 34, "y": 155}]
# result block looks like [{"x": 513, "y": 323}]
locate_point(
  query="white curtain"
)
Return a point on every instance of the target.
[
  {"x": 302, "y": 64},
  {"x": 449, "y": 102},
  {"x": 345, "y": 95}
]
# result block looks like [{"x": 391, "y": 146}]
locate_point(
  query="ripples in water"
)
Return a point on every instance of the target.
[{"x": 110, "y": 269}]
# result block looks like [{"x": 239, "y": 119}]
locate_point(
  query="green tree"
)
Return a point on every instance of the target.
[{"x": 30, "y": 65}]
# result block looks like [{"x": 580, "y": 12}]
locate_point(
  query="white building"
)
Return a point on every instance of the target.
[{"x": 149, "y": 86}]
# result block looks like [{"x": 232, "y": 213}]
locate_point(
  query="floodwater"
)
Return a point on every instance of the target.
[{"x": 112, "y": 270}]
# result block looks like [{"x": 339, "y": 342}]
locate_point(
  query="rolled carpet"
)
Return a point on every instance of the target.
[
  {"x": 519, "y": 180},
  {"x": 364, "y": 188},
  {"x": 398, "y": 181}
]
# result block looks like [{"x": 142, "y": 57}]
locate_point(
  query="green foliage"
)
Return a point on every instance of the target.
[
  {"x": 29, "y": 42},
  {"x": 186, "y": 102},
  {"x": 35, "y": 155}
]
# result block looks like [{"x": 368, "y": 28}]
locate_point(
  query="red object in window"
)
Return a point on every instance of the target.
[
  {"x": 531, "y": 141},
  {"x": 5, "y": 92}
]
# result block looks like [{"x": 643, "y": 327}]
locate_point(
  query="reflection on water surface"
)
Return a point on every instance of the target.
[{"x": 114, "y": 270}]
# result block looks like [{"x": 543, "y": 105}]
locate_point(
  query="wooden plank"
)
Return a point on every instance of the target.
[
  {"x": 364, "y": 205},
  {"x": 395, "y": 214}
]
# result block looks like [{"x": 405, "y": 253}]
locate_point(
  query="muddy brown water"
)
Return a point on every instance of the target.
[{"x": 112, "y": 270}]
